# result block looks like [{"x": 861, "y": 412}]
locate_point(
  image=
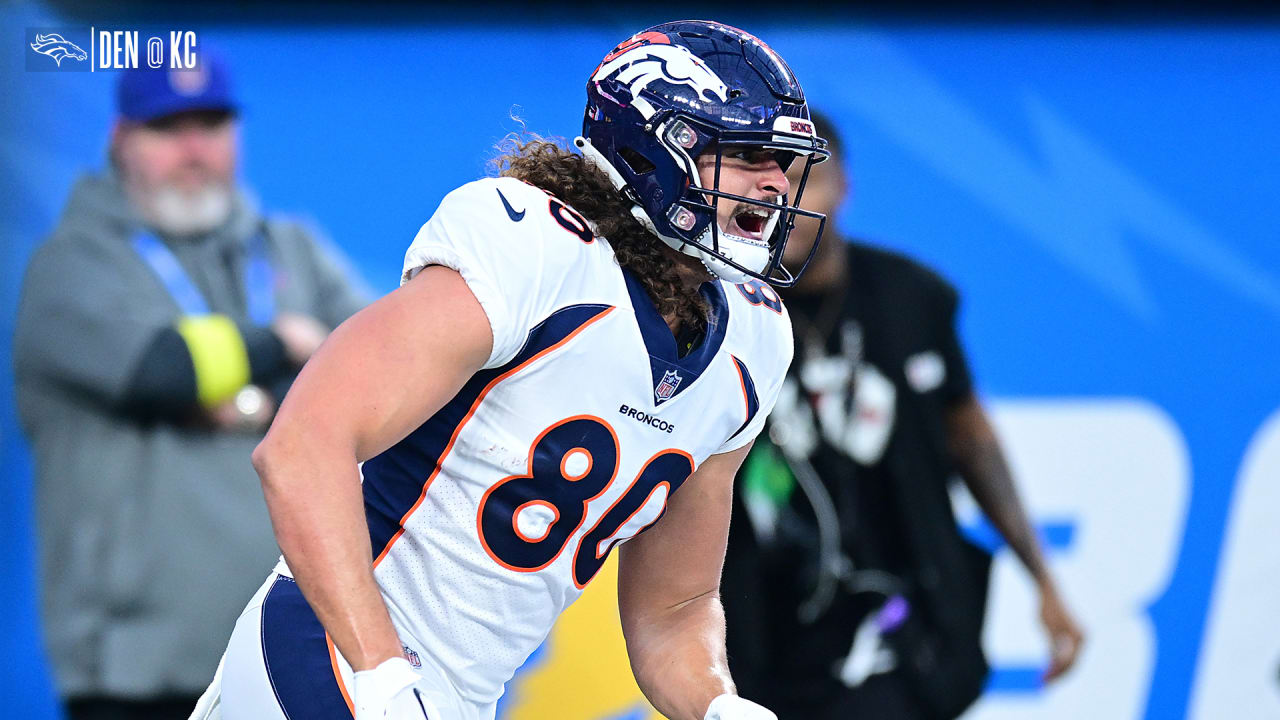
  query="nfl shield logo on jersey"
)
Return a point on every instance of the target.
[{"x": 667, "y": 388}]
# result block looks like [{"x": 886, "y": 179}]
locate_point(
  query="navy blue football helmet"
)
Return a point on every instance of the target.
[{"x": 676, "y": 91}]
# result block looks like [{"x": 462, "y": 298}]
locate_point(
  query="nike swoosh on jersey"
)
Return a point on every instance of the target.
[{"x": 511, "y": 212}]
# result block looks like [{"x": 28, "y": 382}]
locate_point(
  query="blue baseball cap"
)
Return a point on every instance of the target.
[{"x": 143, "y": 95}]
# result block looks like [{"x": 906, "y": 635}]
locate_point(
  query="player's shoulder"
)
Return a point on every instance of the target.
[
  {"x": 518, "y": 207},
  {"x": 512, "y": 218},
  {"x": 758, "y": 303},
  {"x": 759, "y": 323},
  {"x": 491, "y": 200}
]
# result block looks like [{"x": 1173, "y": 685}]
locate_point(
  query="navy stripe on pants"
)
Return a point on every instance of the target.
[{"x": 297, "y": 656}]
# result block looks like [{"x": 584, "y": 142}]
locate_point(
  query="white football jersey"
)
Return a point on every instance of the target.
[{"x": 489, "y": 519}]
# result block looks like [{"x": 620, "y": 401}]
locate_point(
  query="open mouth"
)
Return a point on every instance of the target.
[{"x": 750, "y": 223}]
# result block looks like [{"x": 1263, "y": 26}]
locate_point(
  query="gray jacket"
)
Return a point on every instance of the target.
[{"x": 152, "y": 536}]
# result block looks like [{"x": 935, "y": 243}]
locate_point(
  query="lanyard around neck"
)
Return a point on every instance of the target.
[{"x": 259, "y": 278}]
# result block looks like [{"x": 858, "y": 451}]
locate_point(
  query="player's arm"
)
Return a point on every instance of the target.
[
  {"x": 977, "y": 454},
  {"x": 669, "y": 597},
  {"x": 378, "y": 376}
]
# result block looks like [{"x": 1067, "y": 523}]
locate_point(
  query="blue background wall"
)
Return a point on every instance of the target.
[{"x": 1103, "y": 196}]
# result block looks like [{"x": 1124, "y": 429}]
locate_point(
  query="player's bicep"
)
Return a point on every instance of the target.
[
  {"x": 391, "y": 366},
  {"x": 680, "y": 558}
]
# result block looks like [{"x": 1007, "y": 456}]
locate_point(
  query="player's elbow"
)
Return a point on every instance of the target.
[
  {"x": 271, "y": 459},
  {"x": 264, "y": 459},
  {"x": 293, "y": 458}
]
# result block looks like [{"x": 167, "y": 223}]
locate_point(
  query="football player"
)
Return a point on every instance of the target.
[{"x": 578, "y": 358}]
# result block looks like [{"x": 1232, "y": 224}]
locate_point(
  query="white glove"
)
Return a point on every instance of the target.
[
  {"x": 732, "y": 707},
  {"x": 389, "y": 692}
]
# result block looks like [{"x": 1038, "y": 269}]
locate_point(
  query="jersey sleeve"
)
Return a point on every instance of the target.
[
  {"x": 501, "y": 260},
  {"x": 776, "y": 362}
]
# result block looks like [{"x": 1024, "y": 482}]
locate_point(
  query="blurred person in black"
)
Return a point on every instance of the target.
[
  {"x": 158, "y": 327},
  {"x": 849, "y": 590}
]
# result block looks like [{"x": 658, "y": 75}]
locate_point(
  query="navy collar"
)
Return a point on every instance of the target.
[{"x": 672, "y": 373}]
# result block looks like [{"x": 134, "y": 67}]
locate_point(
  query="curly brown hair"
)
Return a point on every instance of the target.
[{"x": 587, "y": 189}]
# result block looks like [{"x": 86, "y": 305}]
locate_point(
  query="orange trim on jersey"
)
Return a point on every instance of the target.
[
  {"x": 337, "y": 673},
  {"x": 591, "y": 462},
  {"x": 692, "y": 465},
  {"x": 466, "y": 418},
  {"x": 515, "y": 517},
  {"x": 617, "y": 450},
  {"x": 742, "y": 382}
]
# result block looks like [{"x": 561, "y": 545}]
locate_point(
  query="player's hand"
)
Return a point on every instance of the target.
[
  {"x": 390, "y": 692},
  {"x": 300, "y": 334},
  {"x": 732, "y": 707},
  {"x": 1065, "y": 636}
]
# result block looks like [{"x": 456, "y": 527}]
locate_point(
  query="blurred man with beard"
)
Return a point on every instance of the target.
[{"x": 159, "y": 326}]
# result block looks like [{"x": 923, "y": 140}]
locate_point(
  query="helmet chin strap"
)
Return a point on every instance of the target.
[{"x": 714, "y": 265}]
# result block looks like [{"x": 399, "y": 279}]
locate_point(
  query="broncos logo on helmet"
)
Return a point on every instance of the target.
[
  {"x": 639, "y": 66},
  {"x": 58, "y": 48},
  {"x": 670, "y": 94}
]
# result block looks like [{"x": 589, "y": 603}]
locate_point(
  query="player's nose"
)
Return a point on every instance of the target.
[{"x": 771, "y": 180}]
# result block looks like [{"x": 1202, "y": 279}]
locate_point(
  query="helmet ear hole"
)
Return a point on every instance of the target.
[{"x": 637, "y": 163}]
